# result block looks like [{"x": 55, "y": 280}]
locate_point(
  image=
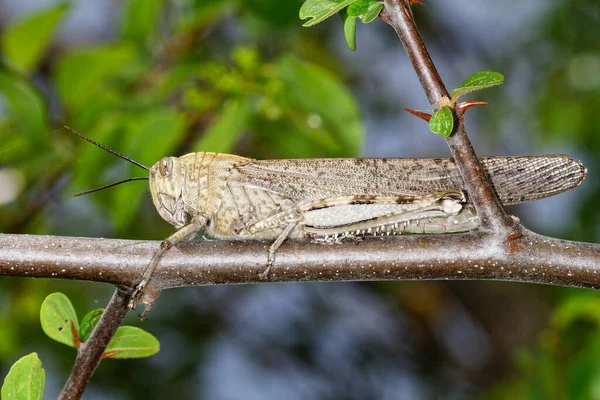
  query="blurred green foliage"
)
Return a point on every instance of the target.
[
  {"x": 243, "y": 77},
  {"x": 25, "y": 42},
  {"x": 149, "y": 94},
  {"x": 565, "y": 363}
]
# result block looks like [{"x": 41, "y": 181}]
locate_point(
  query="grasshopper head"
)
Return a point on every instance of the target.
[{"x": 166, "y": 187}]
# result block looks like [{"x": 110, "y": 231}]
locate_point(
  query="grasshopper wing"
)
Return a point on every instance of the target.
[{"x": 515, "y": 179}]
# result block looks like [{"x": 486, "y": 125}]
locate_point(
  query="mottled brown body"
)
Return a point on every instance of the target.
[{"x": 236, "y": 193}]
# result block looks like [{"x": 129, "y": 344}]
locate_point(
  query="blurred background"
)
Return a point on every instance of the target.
[{"x": 151, "y": 78}]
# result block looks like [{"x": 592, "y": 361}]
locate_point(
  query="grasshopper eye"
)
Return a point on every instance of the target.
[{"x": 165, "y": 166}]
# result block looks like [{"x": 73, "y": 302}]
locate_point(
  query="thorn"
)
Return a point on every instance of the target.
[
  {"x": 465, "y": 105},
  {"x": 75, "y": 335},
  {"x": 109, "y": 354},
  {"x": 420, "y": 114}
]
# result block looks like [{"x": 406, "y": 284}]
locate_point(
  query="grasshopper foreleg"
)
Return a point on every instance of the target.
[{"x": 181, "y": 235}]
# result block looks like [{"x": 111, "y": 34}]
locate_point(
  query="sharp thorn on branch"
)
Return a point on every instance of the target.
[
  {"x": 423, "y": 115},
  {"x": 465, "y": 105}
]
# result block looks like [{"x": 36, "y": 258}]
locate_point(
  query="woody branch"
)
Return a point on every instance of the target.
[
  {"x": 470, "y": 255},
  {"x": 397, "y": 13}
]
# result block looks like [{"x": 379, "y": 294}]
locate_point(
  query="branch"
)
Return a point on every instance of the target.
[
  {"x": 397, "y": 13},
  {"x": 472, "y": 255},
  {"x": 89, "y": 353}
]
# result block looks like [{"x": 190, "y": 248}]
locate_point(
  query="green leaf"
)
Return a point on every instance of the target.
[
  {"x": 367, "y": 10},
  {"x": 359, "y": 7},
  {"x": 478, "y": 81},
  {"x": 349, "y": 29},
  {"x": 375, "y": 8},
  {"x": 229, "y": 126},
  {"x": 89, "y": 322},
  {"x": 132, "y": 342},
  {"x": 320, "y": 10},
  {"x": 57, "y": 317},
  {"x": 25, "y": 42},
  {"x": 25, "y": 380},
  {"x": 141, "y": 18},
  {"x": 25, "y": 104},
  {"x": 325, "y": 104},
  {"x": 442, "y": 122},
  {"x": 83, "y": 73}
]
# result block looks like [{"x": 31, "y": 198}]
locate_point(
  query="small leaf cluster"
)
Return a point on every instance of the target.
[
  {"x": 442, "y": 120},
  {"x": 59, "y": 321},
  {"x": 350, "y": 11},
  {"x": 26, "y": 378}
]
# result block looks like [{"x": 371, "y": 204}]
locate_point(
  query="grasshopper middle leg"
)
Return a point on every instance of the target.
[{"x": 340, "y": 215}]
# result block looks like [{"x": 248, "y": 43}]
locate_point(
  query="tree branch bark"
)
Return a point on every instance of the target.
[{"x": 472, "y": 255}]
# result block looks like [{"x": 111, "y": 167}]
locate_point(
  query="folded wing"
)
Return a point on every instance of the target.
[{"x": 515, "y": 179}]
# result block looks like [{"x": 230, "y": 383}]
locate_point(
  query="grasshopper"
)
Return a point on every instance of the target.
[{"x": 328, "y": 200}]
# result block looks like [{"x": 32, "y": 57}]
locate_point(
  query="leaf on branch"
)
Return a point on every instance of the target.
[
  {"x": 57, "y": 317},
  {"x": 132, "y": 342},
  {"x": 442, "y": 122},
  {"x": 349, "y": 29},
  {"x": 320, "y": 10},
  {"x": 477, "y": 81},
  {"x": 367, "y": 10},
  {"x": 25, "y": 380},
  {"x": 88, "y": 323}
]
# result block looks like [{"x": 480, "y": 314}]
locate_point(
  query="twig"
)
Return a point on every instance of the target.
[
  {"x": 397, "y": 13},
  {"x": 89, "y": 354}
]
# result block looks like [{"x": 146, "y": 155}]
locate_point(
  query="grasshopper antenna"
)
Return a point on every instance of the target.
[
  {"x": 110, "y": 151},
  {"x": 111, "y": 185}
]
